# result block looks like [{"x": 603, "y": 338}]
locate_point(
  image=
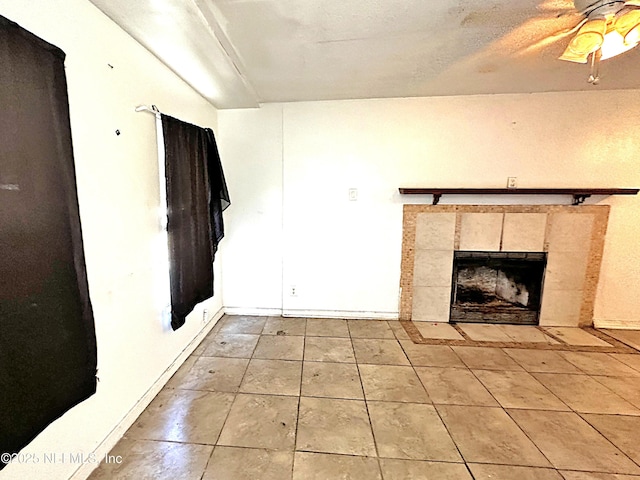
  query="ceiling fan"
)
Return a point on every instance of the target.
[{"x": 607, "y": 28}]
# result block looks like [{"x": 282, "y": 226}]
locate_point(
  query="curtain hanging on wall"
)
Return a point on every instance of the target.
[
  {"x": 47, "y": 337},
  {"x": 196, "y": 197}
]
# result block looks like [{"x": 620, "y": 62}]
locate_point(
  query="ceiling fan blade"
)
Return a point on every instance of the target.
[
  {"x": 549, "y": 40},
  {"x": 557, "y": 7}
]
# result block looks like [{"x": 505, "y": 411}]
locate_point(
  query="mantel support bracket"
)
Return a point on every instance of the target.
[
  {"x": 436, "y": 198},
  {"x": 579, "y": 198}
]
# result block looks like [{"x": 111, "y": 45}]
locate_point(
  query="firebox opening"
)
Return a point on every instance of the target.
[{"x": 497, "y": 287}]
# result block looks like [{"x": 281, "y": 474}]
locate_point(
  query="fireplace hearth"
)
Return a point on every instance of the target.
[{"x": 497, "y": 287}]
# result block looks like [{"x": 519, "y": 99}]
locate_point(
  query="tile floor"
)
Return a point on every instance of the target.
[{"x": 309, "y": 399}]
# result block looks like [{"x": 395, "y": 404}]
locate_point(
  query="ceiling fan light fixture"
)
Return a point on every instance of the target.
[
  {"x": 611, "y": 27},
  {"x": 633, "y": 36},
  {"x": 627, "y": 23},
  {"x": 589, "y": 38},
  {"x": 614, "y": 44}
]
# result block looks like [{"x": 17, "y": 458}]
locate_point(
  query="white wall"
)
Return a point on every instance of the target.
[
  {"x": 252, "y": 250},
  {"x": 344, "y": 257},
  {"x": 118, "y": 192}
]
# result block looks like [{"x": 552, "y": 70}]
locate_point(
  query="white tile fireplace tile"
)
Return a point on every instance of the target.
[
  {"x": 570, "y": 232},
  {"x": 435, "y": 231},
  {"x": 566, "y": 270},
  {"x": 432, "y": 268},
  {"x": 481, "y": 231},
  {"x": 524, "y": 232},
  {"x": 431, "y": 304},
  {"x": 560, "y": 307}
]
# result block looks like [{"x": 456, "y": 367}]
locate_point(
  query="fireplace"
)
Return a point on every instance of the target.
[
  {"x": 497, "y": 287},
  {"x": 572, "y": 237}
]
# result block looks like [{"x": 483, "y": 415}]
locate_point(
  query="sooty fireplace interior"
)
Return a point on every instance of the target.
[{"x": 497, "y": 287}]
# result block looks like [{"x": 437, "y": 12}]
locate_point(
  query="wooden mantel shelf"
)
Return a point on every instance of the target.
[{"x": 579, "y": 194}]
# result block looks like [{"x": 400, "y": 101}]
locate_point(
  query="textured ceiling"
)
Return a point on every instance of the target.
[{"x": 240, "y": 53}]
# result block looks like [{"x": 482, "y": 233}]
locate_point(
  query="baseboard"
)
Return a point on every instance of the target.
[
  {"x": 617, "y": 324},
  {"x": 276, "y": 312},
  {"x": 340, "y": 314},
  {"x": 119, "y": 430},
  {"x": 260, "y": 312}
]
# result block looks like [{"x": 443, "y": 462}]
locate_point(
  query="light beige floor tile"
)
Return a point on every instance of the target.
[
  {"x": 627, "y": 388},
  {"x": 199, "y": 350},
  {"x": 273, "y": 347},
  {"x": 485, "y": 333},
  {"x": 216, "y": 374},
  {"x": 243, "y": 324},
  {"x": 324, "y": 349},
  {"x": 261, "y": 421},
  {"x": 285, "y": 326},
  {"x": 379, "y": 352},
  {"x": 233, "y": 463},
  {"x": 392, "y": 383},
  {"x": 370, "y": 329},
  {"x": 431, "y": 355},
  {"x": 622, "y": 431},
  {"x": 176, "y": 380},
  {"x": 571, "y": 443},
  {"x": 142, "y": 459},
  {"x": 231, "y": 345},
  {"x": 519, "y": 390},
  {"x": 488, "y": 435},
  {"x": 567, "y": 475},
  {"x": 583, "y": 394},
  {"x": 576, "y": 336},
  {"x": 439, "y": 330},
  {"x": 544, "y": 361},
  {"x": 527, "y": 334},
  {"x": 398, "y": 330},
  {"x": 594, "y": 363},
  {"x": 335, "y": 380},
  {"x": 393, "y": 469},
  {"x": 327, "y": 327},
  {"x": 630, "y": 337},
  {"x": 330, "y": 425},
  {"x": 183, "y": 416},
  {"x": 209, "y": 337},
  {"x": 485, "y": 358},
  {"x": 454, "y": 386},
  {"x": 507, "y": 472},
  {"x": 630, "y": 359},
  {"x": 411, "y": 431},
  {"x": 274, "y": 377},
  {"x": 322, "y": 466}
]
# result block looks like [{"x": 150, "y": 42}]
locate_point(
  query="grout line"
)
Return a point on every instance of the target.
[
  {"x": 581, "y": 415},
  {"x": 295, "y": 435},
  {"x": 461, "y": 331},
  {"x": 530, "y": 439},
  {"x": 366, "y": 403}
]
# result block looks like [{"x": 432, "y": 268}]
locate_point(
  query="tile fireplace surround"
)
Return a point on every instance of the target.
[{"x": 572, "y": 236}]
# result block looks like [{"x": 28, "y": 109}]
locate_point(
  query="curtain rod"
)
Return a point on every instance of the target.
[{"x": 153, "y": 109}]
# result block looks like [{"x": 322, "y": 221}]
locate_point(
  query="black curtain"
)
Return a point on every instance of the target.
[
  {"x": 47, "y": 337},
  {"x": 196, "y": 196}
]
